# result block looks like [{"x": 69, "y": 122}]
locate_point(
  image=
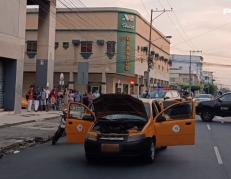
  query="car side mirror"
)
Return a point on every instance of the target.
[
  {"x": 161, "y": 118},
  {"x": 88, "y": 118}
]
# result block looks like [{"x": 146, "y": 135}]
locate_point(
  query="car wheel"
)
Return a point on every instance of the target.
[
  {"x": 207, "y": 116},
  {"x": 150, "y": 157}
]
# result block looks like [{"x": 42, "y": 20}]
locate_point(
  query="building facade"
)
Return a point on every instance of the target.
[
  {"x": 12, "y": 43},
  {"x": 103, "y": 49},
  {"x": 208, "y": 77},
  {"x": 179, "y": 72},
  {"x": 12, "y": 48}
]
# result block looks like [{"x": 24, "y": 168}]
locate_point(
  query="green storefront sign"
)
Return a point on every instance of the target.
[{"x": 126, "y": 43}]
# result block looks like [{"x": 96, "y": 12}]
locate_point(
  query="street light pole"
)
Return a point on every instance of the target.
[{"x": 150, "y": 60}]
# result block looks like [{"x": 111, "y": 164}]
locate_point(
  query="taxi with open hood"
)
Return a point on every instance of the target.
[{"x": 124, "y": 126}]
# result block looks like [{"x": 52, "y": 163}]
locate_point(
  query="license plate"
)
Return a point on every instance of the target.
[{"x": 110, "y": 148}]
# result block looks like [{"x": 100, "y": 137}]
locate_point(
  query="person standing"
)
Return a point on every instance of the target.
[
  {"x": 43, "y": 99},
  {"x": 78, "y": 97},
  {"x": 36, "y": 99},
  {"x": 30, "y": 96},
  {"x": 47, "y": 97}
]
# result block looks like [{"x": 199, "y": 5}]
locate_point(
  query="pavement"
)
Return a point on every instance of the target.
[
  {"x": 8, "y": 119},
  {"x": 18, "y": 131},
  {"x": 208, "y": 158}
]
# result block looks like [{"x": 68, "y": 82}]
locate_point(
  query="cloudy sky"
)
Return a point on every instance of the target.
[{"x": 193, "y": 24}]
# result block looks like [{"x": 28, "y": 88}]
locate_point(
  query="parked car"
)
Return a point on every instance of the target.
[
  {"x": 203, "y": 97},
  {"x": 165, "y": 97},
  {"x": 124, "y": 126},
  {"x": 220, "y": 106}
]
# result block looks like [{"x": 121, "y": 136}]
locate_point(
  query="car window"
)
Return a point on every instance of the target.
[
  {"x": 168, "y": 95},
  {"x": 77, "y": 111},
  {"x": 226, "y": 97},
  {"x": 178, "y": 112},
  {"x": 175, "y": 94}
]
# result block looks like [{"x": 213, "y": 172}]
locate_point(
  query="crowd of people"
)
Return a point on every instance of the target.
[{"x": 44, "y": 99}]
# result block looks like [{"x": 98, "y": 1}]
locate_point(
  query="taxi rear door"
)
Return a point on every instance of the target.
[
  {"x": 176, "y": 125},
  {"x": 79, "y": 120}
]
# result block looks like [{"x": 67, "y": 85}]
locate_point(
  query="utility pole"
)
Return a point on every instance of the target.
[
  {"x": 190, "y": 69},
  {"x": 150, "y": 59}
]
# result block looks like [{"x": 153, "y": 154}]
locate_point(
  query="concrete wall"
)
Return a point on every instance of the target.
[
  {"x": 12, "y": 44},
  {"x": 12, "y": 28}
]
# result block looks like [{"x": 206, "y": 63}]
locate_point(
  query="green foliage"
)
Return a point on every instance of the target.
[{"x": 210, "y": 88}]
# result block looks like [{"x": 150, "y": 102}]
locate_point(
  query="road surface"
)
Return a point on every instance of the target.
[{"x": 209, "y": 158}]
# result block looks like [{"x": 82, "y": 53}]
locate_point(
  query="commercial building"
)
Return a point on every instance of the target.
[
  {"x": 12, "y": 48},
  {"x": 109, "y": 43},
  {"x": 12, "y": 42},
  {"x": 180, "y": 70},
  {"x": 208, "y": 77}
]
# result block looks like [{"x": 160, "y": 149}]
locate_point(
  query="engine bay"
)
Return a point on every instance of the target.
[{"x": 118, "y": 127}]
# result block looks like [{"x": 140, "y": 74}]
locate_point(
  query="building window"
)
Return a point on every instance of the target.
[
  {"x": 86, "y": 49},
  {"x": 31, "y": 48},
  {"x": 110, "y": 49}
]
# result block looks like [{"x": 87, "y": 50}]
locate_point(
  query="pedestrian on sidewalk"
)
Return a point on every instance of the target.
[
  {"x": 66, "y": 97},
  {"x": 47, "y": 98},
  {"x": 36, "y": 99},
  {"x": 43, "y": 99},
  {"x": 30, "y": 97},
  {"x": 78, "y": 97}
]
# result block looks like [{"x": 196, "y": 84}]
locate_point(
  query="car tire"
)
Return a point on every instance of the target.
[
  {"x": 207, "y": 116},
  {"x": 151, "y": 155}
]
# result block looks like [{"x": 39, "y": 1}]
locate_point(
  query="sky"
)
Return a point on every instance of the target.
[{"x": 193, "y": 25}]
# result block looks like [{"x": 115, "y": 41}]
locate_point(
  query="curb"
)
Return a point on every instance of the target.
[{"x": 27, "y": 122}]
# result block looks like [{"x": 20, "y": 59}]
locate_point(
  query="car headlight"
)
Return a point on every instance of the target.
[
  {"x": 135, "y": 137},
  {"x": 92, "y": 136}
]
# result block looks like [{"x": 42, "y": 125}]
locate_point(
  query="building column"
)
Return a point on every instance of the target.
[
  {"x": 46, "y": 42},
  {"x": 104, "y": 82},
  {"x": 71, "y": 80}
]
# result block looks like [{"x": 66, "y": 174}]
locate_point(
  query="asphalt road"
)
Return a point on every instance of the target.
[{"x": 209, "y": 158}]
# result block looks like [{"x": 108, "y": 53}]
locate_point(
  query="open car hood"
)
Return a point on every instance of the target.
[{"x": 109, "y": 104}]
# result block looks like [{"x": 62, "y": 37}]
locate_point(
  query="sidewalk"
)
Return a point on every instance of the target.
[
  {"x": 18, "y": 131},
  {"x": 8, "y": 119}
]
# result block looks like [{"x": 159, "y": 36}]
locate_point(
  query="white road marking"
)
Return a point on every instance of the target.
[
  {"x": 208, "y": 126},
  {"x": 219, "y": 160}
]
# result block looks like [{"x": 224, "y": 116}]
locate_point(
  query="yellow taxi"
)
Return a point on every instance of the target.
[{"x": 124, "y": 126}]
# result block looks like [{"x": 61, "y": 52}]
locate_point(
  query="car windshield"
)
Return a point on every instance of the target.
[
  {"x": 160, "y": 94},
  {"x": 204, "y": 96},
  {"x": 122, "y": 117},
  {"x": 154, "y": 94}
]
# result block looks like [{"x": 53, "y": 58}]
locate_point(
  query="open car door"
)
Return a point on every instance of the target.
[
  {"x": 79, "y": 120},
  {"x": 176, "y": 125}
]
